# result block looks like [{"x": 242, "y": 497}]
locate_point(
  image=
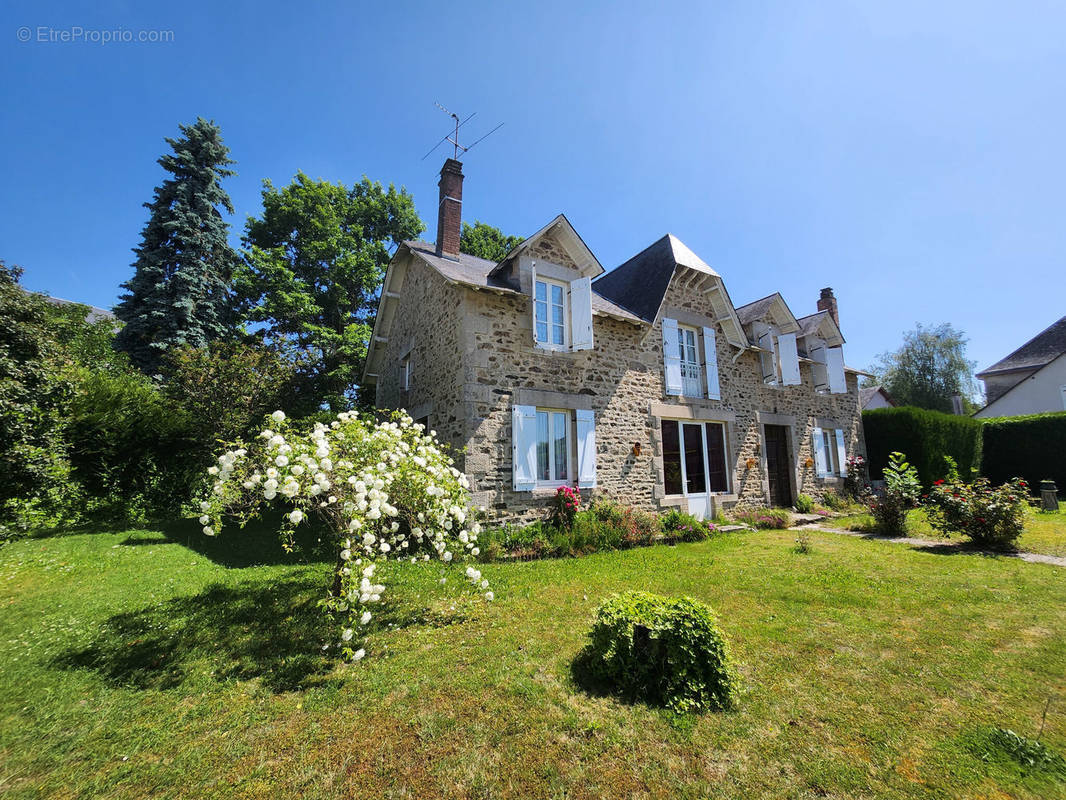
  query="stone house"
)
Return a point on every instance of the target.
[{"x": 645, "y": 383}]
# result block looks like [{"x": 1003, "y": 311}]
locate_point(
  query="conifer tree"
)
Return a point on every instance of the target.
[{"x": 180, "y": 290}]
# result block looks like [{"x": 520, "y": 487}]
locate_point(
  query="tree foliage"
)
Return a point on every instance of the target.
[
  {"x": 929, "y": 369},
  {"x": 179, "y": 293},
  {"x": 313, "y": 266},
  {"x": 485, "y": 241}
]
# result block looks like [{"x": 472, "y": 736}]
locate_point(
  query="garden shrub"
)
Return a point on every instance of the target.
[
  {"x": 804, "y": 503},
  {"x": 764, "y": 518},
  {"x": 1030, "y": 447},
  {"x": 564, "y": 507},
  {"x": 661, "y": 651},
  {"x": 993, "y": 516},
  {"x": 833, "y": 501},
  {"x": 902, "y": 489},
  {"x": 685, "y": 526},
  {"x": 857, "y": 480},
  {"x": 926, "y": 436}
]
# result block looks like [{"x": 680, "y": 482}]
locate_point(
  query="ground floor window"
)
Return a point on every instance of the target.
[
  {"x": 830, "y": 452},
  {"x": 553, "y": 446},
  {"x": 694, "y": 458}
]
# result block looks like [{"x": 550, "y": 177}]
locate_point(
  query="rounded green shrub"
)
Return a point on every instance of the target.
[{"x": 661, "y": 651}]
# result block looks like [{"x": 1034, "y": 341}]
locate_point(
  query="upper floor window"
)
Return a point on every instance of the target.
[
  {"x": 682, "y": 352},
  {"x": 550, "y": 313}
]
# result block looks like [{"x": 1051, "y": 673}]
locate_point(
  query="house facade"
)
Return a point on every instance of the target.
[
  {"x": 645, "y": 384},
  {"x": 1031, "y": 380}
]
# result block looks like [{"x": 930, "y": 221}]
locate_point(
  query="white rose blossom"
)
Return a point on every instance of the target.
[{"x": 389, "y": 485}]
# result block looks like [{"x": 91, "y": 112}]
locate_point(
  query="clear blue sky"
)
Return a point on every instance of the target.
[{"x": 909, "y": 154}]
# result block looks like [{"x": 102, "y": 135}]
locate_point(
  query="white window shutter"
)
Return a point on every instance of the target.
[
  {"x": 821, "y": 460},
  {"x": 819, "y": 371},
  {"x": 671, "y": 357},
  {"x": 586, "y": 449},
  {"x": 524, "y": 447},
  {"x": 581, "y": 314},
  {"x": 834, "y": 357},
  {"x": 790, "y": 365},
  {"x": 710, "y": 358},
  {"x": 766, "y": 359},
  {"x": 842, "y": 454},
  {"x": 533, "y": 300}
]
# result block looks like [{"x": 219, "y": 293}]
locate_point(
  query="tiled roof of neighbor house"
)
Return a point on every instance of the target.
[
  {"x": 1042, "y": 349},
  {"x": 474, "y": 271},
  {"x": 865, "y": 395},
  {"x": 94, "y": 315}
]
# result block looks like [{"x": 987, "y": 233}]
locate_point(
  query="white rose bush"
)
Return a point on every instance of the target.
[{"x": 386, "y": 490}]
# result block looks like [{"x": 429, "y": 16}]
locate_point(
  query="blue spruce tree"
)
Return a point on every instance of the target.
[{"x": 180, "y": 290}]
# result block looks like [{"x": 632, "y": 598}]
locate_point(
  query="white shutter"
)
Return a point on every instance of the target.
[
  {"x": 834, "y": 357},
  {"x": 581, "y": 314},
  {"x": 790, "y": 365},
  {"x": 533, "y": 300},
  {"x": 710, "y": 358},
  {"x": 819, "y": 372},
  {"x": 842, "y": 455},
  {"x": 671, "y": 357},
  {"x": 766, "y": 358},
  {"x": 524, "y": 447},
  {"x": 586, "y": 449},
  {"x": 821, "y": 460}
]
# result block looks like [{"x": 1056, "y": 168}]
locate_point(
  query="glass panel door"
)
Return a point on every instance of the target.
[{"x": 695, "y": 467}]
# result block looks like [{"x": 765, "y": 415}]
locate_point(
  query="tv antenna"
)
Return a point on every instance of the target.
[{"x": 453, "y": 137}]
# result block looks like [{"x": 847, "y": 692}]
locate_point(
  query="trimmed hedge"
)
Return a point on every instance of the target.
[
  {"x": 1032, "y": 447},
  {"x": 925, "y": 437}
]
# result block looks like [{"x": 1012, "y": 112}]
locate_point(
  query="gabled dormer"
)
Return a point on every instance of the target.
[
  {"x": 774, "y": 332},
  {"x": 554, "y": 268},
  {"x": 821, "y": 346}
]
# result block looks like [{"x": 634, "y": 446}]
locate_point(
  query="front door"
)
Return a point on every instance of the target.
[{"x": 778, "y": 468}]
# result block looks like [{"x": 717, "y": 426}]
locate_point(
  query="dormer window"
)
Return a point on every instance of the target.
[
  {"x": 550, "y": 314},
  {"x": 684, "y": 374}
]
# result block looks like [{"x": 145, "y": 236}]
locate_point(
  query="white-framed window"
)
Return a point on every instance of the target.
[
  {"x": 691, "y": 372},
  {"x": 550, "y": 313},
  {"x": 684, "y": 375},
  {"x": 830, "y": 452},
  {"x": 405, "y": 373},
  {"x": 553, "y": 447},
  {"x": 694, "y": 457}
]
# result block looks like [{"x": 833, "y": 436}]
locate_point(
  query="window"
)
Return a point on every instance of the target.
[
  {"x": 830, "y": 453},
  {"x": 684, "y": 375},
  {"x": 691, "y": 374},
  {"x": 549, "y": 313},
  {"x": 405, "y": 373},
  {"x": 694, "y": 458},
  {"x": 553, "y": 447}
]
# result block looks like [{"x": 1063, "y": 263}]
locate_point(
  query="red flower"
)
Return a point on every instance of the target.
[{"x": 938, "y": 482}]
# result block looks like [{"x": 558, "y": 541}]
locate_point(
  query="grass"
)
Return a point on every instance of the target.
[
  {"x": 157, "y": 663},
  {"x": 1045, "y": 531}
]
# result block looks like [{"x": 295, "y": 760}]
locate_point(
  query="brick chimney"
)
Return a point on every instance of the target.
[
  {"x": 826, "y": 302},
  {"x": 450, "y": 209}
]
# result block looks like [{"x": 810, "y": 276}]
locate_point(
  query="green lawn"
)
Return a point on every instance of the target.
[
  {"x": 156, "y": 663},
  {"x": 1045, "y": 532}
]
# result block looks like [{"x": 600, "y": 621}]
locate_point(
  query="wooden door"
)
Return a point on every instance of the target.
[{"x": 778, "y": 467}]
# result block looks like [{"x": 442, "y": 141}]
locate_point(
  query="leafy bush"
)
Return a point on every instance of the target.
[
  {"x": 804, "y": 503},
  {"x": 564, "y": 507},
  {"x": 993, "y": 516},
  {"x": 764, "y": 518},
  {"x": 857, "y": 481},
  {"x": 662, "y": 651},
  {"x": 926, "y": 436},
  {"x": 901, "y": 493},
  {"x": 833, "y": 501},
  {"x": 684, "y": 526},
  {"x": 1030, "y": 447}
]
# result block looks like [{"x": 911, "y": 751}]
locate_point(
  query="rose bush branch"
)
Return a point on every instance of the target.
[{"x": 385, "y": 490}]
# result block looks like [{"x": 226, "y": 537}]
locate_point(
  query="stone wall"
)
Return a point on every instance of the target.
[
  {"x": 621, "y": 380},
  {"x": 427, "y": 326}
]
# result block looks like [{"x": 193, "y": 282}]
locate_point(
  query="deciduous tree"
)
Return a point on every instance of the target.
[
  {"x": 485, "y": 241},
  {"x": 929, "y": 369}
]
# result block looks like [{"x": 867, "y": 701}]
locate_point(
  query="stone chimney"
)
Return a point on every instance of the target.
[
  {"x": 826, "y": 302},
  {"x": 450, "y": 209}
]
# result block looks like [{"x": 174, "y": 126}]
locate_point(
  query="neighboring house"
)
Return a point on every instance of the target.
[
  {"x": 94, "y": 313},
  {"x": 875, "y": 397},
  {"x": 645, "y": 383},
  {"x": 1030, "y": 380}
]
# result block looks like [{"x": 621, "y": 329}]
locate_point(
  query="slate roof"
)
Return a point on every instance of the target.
[
  {"x": 1039, "y": 351},
  {"x": 94, "y": 314},
  {"x": 476, "y": 272},
  {"x": 809, "y": 324},
  {"x": 865, "y": 395},
  {"x": 640, "y": 283},
  {"x": 756, "y": 310}
]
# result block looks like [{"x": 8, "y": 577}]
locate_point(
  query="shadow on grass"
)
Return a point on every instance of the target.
[
  {"x": 257, "y": 544},
  {"x": 273, "y": 631}
]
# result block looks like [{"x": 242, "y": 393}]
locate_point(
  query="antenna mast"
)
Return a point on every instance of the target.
[{"x": 453, "y": 137}]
